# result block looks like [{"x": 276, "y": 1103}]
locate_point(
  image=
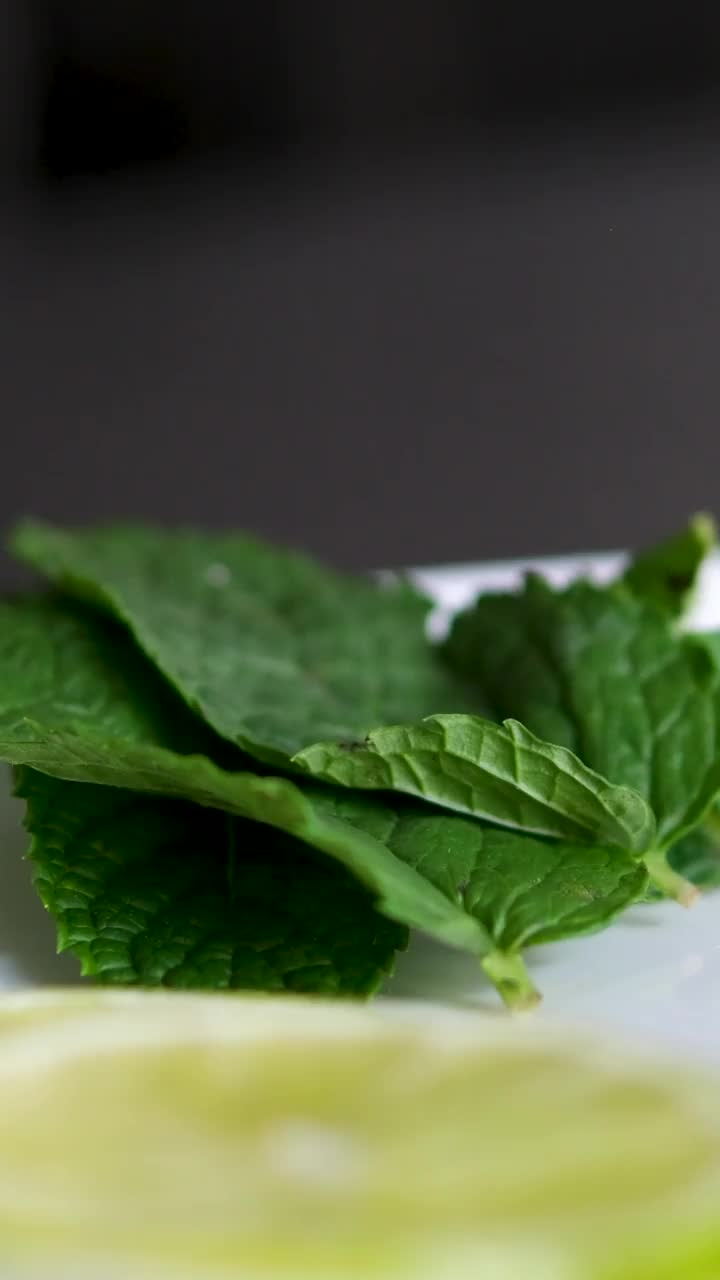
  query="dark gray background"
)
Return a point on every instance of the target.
[{"x": 405, "y": 283}]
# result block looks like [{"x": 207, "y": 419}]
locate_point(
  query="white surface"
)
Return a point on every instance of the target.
[{"x": 654, "y": 976}]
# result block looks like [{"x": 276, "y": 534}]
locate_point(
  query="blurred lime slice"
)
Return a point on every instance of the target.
[{"x": 152, "y": 1134}]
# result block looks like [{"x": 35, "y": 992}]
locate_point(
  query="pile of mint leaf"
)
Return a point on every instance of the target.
[{"x": 244, "y": 770}]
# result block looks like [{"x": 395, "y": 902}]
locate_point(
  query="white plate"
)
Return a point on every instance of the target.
[{"x": 654, "y": 976}]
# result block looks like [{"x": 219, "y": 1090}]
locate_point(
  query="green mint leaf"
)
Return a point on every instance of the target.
[
  {"x": 153, "y": 891},
  {"x": 499, "y": 772},
  {"x": 607, "y": 676},
  {"x": 558, "y": 890},
  {"x": 74, "y": 705},
  {"x": 667, "y": 574},
  {"x": 65, "y": 667},
  {"x": 524, "y": 891},
  {"x": 274, "y": 651},
  {"x": 100, "y": 715}
]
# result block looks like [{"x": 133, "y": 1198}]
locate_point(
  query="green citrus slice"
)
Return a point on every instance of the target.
[{"x": 155, "y": 1134}]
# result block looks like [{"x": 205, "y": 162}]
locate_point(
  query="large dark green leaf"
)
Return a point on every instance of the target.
[
  {"x": 608, "y": 677},
  {"x": 271, "y": 649},
  {"x": 154, "y": 891}
]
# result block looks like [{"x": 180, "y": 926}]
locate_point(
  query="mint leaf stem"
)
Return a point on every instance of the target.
[
  {"x": 669, "y": 881},
  {"x": 506, "y": 969}
]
